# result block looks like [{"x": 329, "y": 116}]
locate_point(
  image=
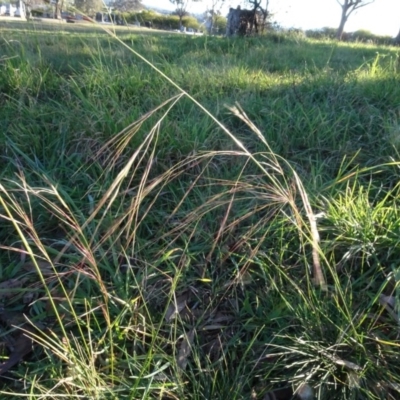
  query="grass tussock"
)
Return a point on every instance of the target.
[{"x": 197, "y": 217}]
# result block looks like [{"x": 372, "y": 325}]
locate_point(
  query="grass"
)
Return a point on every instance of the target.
[{"x": 169, "y": 252}]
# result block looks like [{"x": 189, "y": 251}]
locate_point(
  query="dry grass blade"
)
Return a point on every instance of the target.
[
  {"x": 339, "y": 361},
  {"x": 114, "y": 189},
  {"x": 30, "y": 239},
  {"x": 121, "y": 140},
  {"x": 222, "y": 227},
  {"x": 318, "y": 276}
]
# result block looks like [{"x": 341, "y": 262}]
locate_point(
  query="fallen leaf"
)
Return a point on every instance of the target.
[
  {"x": 353, "y": 380},
  {"x": 10, "y": 287},
  {"x": 176, "y": 306},
  {"x": 389, "y": 303},
  {"x": 344, "y": 363},
  {"x": 22, "y": 347},
  {"x": 212, "y": 320},
  {"x": 30, "y": 296},
  {"x": 387, "y": 300},
  {"x": 12, "y": 318},
  {"x": 303, "y": 392},
  {"x": 213, "y": 327},
  {"x": 45, "y": 267},
  {"x": 185, "y": 350},
  {"x": 213, "y": 348}
]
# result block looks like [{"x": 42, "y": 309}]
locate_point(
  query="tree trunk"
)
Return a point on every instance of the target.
[
  {"x": 253, "y": 23},
  {"x": 57, "y": 9},
  {"x": 397, "y": 39},
  {"x": 343, "y": 21},
  {"x": 211, "y": 26}
]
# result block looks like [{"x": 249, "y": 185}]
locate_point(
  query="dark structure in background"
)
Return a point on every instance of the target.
[{"x": 243, "y": 22}]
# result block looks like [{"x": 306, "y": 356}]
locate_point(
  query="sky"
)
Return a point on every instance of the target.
[{"x": 381, "y": 17}]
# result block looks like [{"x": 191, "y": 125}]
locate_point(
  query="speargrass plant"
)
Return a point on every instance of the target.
[{"x": 154, "y": 249}]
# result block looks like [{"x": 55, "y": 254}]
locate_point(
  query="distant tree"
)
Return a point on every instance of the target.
[
  {"x": 259, "y": 8},
  {"x": 220, "y": 24},
  {"x": 265, "y": 13},
  {"x": 29, "y": 5},
  {"x": 39, "y": 7},
  {"x": 212, "y": 13},
  {"x": 181, "y": 7},
  {"x": 190, "y": 22},
  {"x": 348, "y": 6},
  {"x": 180, "y": 13},
  {"x": 89, "y": 6},
  {"x": 127, "y": 5},
  {"x": 57, "y": 8}
]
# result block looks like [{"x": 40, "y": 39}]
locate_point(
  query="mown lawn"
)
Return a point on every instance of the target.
[{"x": 197, "y": 217}]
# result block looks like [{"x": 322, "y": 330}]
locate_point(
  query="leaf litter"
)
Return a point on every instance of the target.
[
  {"x": 18, "y": 330},
  {"x": 185, "y": 349}
]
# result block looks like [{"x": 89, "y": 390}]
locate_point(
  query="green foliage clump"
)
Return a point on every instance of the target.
[
  {"x": 323, "y": 33},
  {"x": 220, "y": 25},
  {"x": 160, "y": 21},
  {"x": 362, "y": 35}
]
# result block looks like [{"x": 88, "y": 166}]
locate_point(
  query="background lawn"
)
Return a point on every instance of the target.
[{"x": 165, "y": 236}]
